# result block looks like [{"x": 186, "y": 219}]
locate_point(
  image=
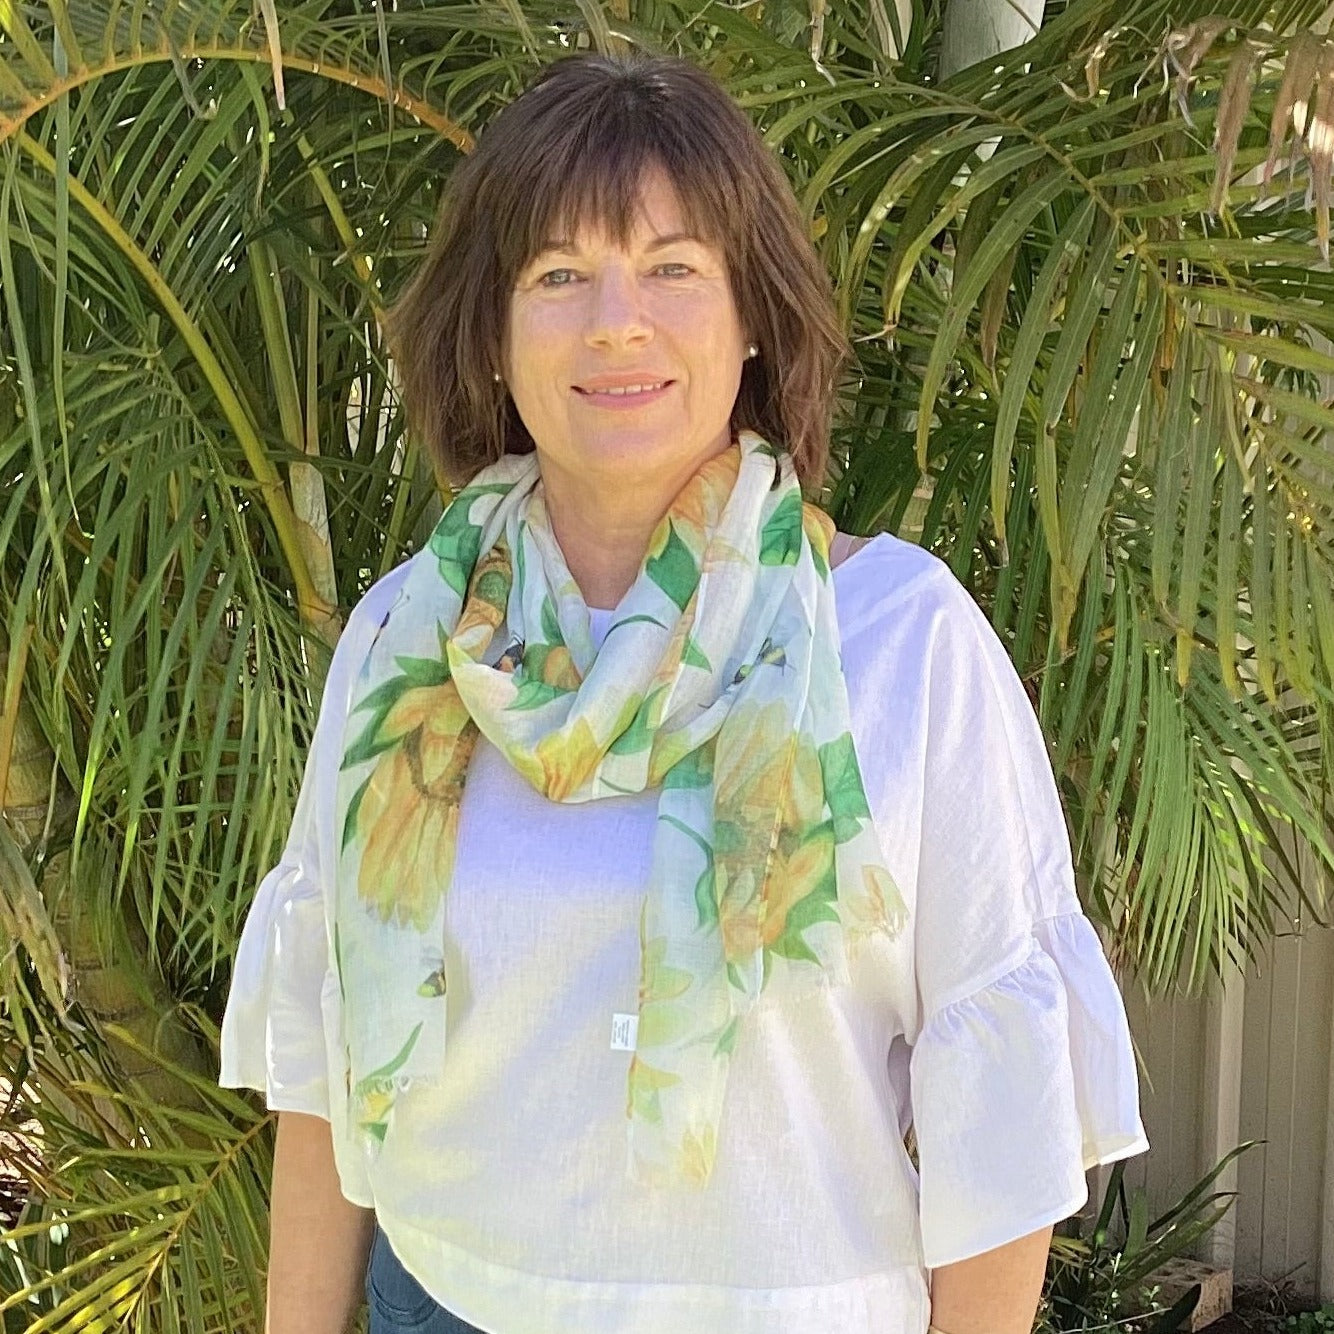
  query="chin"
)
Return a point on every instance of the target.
[{"x": 630, "y": 450}]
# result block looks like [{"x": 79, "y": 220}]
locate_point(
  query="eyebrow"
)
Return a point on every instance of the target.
[{"x": 567, "y": 246}]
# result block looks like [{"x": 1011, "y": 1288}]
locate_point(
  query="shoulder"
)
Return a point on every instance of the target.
[
  {"x": 886, "y": 583},
  {"x": 905, "y": 620}
]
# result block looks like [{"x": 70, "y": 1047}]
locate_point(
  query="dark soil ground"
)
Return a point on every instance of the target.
[
  {"x": 18, "y": 1154},
  {"x": 1262, "y": 1309}
]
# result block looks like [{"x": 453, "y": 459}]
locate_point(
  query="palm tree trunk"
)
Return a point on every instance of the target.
[{"x": 105, "y": 973}]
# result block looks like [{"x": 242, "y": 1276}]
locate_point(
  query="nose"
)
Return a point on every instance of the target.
[{"x": 617, "y": 316}]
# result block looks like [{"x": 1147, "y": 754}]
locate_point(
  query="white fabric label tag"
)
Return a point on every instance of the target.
[{"x": 624, "y": 1031}]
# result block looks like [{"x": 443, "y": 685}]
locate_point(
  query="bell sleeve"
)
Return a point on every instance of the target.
[
  {"x": 272, "y": 1030},
  {"x": 1022, "y": 1075},
  {"x": 282, "y": 1031},
  {"x": 273, "y": 1035}
]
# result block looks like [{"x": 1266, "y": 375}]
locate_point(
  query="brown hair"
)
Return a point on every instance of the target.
[{"x": 573, "y": 148}]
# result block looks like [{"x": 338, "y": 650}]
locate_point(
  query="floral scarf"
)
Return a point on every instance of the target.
[{"x": 719, "y": 684}]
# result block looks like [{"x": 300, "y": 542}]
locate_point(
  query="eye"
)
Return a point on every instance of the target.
[
  {"x": 552, "y": 277},
  {"x": 542, "y": 281}
]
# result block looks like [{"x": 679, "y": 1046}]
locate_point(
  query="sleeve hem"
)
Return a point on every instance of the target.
[
  {"x": 1017, "y": 1090},
  {"x": 281, "y": 1104},
  {"x": 1001, "y": 1236},
  {"x": 1106, "y": 1153},
  {"x": 278, "y": 1102},
  {"x": 351, "y": 1198},
  {"x": 1112, "y": 1151}
]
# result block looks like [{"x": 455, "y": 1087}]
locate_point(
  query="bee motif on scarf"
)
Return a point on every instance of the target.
[
  {"x": 434, "y": 985},
  {"x": 770, "y": 655},
  {"x": 398, "y": 601}
]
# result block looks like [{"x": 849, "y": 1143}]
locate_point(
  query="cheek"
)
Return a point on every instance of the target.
[
  {"x": 536, "y": 331},
  {"x": 709, "y": 329},
  {"x": 717, "y": 331}
]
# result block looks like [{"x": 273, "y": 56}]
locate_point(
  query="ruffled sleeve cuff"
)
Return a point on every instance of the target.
[
  {"x": 273, "y": 1035},
  {"x": 1018, "y": 1089}
]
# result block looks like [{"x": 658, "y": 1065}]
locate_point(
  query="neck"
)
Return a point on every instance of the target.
[{"x": 603, "y": 524}]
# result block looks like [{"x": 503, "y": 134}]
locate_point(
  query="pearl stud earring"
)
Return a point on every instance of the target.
[
  {"x": 495, "y": 375},
  {"x": 752, "y": 350}
]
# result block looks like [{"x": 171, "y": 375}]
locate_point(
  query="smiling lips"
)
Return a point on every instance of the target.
[{"x": 624, "y": 395}]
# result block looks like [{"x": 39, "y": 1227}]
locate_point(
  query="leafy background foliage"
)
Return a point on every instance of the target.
[{"x": 1087, "y": 284}]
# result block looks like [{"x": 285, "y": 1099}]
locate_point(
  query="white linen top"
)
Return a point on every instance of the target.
[{"x": 993, "y": 1024}]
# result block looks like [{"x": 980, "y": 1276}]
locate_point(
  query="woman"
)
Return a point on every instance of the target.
[{"x": 757, "y": 862}]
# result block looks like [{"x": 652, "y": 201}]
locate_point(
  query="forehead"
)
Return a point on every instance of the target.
[{"x": 622, "y": 216}]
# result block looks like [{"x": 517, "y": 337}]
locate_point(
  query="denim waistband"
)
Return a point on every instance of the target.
[{"x": 398, "y": 1303}]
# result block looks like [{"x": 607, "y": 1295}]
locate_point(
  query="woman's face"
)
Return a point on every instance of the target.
[{"x": 587, "y": 316}]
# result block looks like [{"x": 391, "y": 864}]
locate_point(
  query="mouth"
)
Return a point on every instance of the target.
[{"x": 625, "y": 396}]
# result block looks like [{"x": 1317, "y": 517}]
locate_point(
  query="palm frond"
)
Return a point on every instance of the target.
[{"x": 1085, "y": 281}]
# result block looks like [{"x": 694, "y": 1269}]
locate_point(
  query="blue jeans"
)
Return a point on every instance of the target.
[{"x": 399, "y": 1304}]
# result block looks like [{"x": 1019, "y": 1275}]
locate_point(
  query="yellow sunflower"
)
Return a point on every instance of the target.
[
  {"x": 564, "y": 760},
  {"x": 772, "y": 772},
  {"x": 699, "y": 505},
  {"x": 819, "y": 529},
  {"x": 696, "y": 1155},
  {"x": 410, "y": 805}
]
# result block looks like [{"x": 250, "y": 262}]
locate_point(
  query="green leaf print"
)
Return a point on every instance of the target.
[
  {"x": 662, "y": 982},
  {"x": 550, "y": 624},
  {"x": 638, "y": 735},
  {"x": 350, "y": 821},
  {"x": 419, "y": 673},
  {"x": 706, "y": 892},
  {"x": 780, "y": 540},
  {"x": 457, "y": 540},
  {"x": 457, "y": 552},
  {"x": 706, "y": 896},
  {"x": 727, "y": 1039},
  {"x": 389, "y": 1067},
  {"x": 646, "y": 1085},
  {"x": 422, "y": 671},
  {"x": 731, "y": 838},
  {"x": 791, "y": 946},
  {"x": 661, "y": 1021},
  {"x": 693, "y": 770},
  {"x": 820, "y": 905},
  {"x": 694, "y": 656},
  {"x": 674, "y": 569},
  {"x": 843, "y": 786},
  {"x": 533, "y": 695},
  {"x": 370, "y": 743},
  {"x": 661, "y": 1025}
]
